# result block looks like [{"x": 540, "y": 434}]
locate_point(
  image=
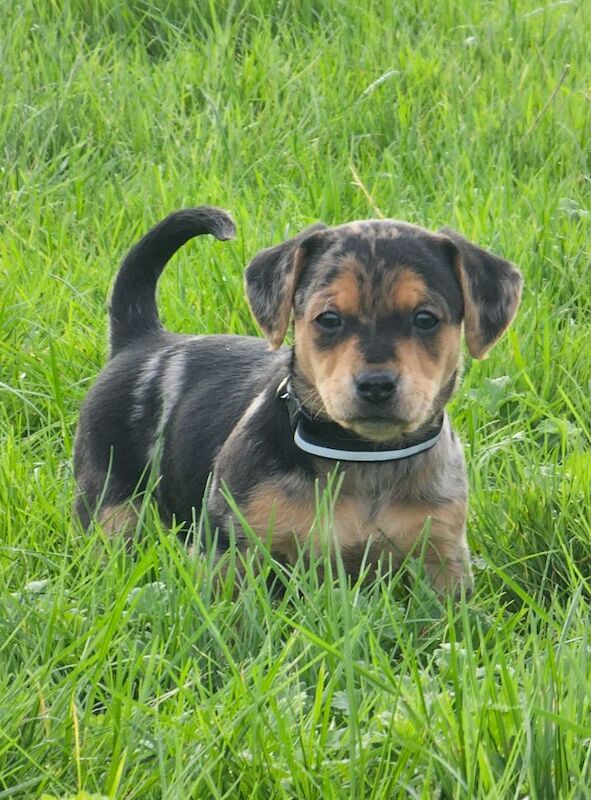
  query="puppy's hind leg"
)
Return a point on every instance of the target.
[
  {"x": 101, "y": 498},
  {"x": 119, "y": 520}
]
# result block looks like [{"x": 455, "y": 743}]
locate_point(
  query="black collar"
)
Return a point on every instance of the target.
[{"x": 329, "y": 440}]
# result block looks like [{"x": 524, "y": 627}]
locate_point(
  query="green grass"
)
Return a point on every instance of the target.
[{"x": 129, "y": 677}]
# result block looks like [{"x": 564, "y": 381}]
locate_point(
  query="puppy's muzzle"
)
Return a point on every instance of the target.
[{"x": 375, "y": 387}]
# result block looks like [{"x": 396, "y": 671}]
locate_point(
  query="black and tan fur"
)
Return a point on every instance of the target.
[{"x": 209, "y": 405}]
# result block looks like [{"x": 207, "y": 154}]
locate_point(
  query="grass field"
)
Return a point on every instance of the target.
[{"x": 128, "y": 677}]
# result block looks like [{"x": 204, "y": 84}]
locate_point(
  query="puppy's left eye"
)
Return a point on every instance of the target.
[
  {"x": 425, "y": 320},
  {"x": 329, "y": 320}
]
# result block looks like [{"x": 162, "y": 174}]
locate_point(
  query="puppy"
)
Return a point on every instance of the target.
[{"x": 378, "y": 308}]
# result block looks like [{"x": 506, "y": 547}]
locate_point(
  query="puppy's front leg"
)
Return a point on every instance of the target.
[
  {"x": 450, "y": 575},
  {"x": 437, "y": 532},
  {"x": 277, "y": 511},
  {"x": 447, "y": 560}
]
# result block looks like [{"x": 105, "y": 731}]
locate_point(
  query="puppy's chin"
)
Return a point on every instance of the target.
[{"x": 376, "y": 430}]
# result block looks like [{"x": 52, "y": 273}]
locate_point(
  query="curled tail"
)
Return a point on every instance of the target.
[{"x": 132, "y": 310}]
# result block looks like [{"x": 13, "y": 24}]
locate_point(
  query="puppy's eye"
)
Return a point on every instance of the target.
[
  {"x": 425, "y": 320},
  {"x": 329, "y": 320}
]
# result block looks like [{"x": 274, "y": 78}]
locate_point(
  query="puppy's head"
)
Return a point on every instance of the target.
[{"x": 378, "y": 308}]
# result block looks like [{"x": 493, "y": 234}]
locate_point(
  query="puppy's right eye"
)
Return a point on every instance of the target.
[
  {"x": 425, "y": 321},
  {"x": 329, "y": 320}
]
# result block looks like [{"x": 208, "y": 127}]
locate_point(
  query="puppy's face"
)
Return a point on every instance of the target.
[
  {"x": 377, "y": 328},
  {"x": 378, "y": 309}
]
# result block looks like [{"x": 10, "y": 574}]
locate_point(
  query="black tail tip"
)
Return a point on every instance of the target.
[
  {"x": 205, "y": 219},
  {"x": 223, "y": 226}
]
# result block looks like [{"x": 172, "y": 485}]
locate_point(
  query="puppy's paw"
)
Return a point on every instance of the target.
[{"x": 451, "y": 577}]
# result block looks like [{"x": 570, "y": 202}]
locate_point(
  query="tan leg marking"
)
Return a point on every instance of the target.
[
  {"x": 447, "y": 560},
  {"x": 396, "y": 531},
  {"x": 274, "y": 510},
  {"x": 119, "y": 520}
]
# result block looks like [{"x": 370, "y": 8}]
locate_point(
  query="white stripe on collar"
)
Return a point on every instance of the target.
[{"x": 362, "y": 455}]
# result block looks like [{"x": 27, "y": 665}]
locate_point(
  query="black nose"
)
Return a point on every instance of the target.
[{"x": 375, "y": 387}]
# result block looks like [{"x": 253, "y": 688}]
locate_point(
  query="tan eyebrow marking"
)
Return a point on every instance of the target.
[
  {"x": 409, "y": 290},
  {"x": 343, "y": 294}
]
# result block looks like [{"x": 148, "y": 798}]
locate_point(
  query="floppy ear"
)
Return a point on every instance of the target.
[
  {"x": 491, "y": 288},
  {"x": 271, "y": 279}
]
